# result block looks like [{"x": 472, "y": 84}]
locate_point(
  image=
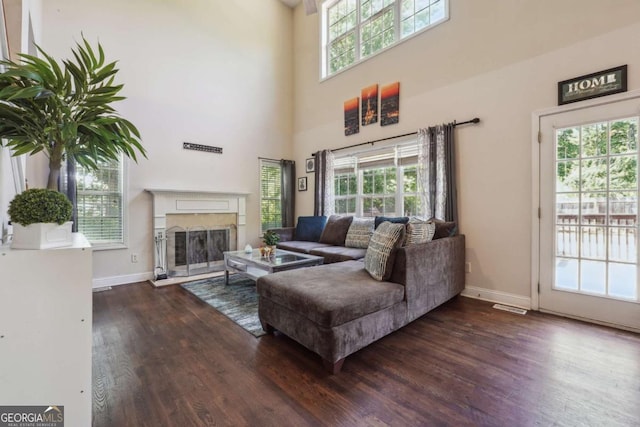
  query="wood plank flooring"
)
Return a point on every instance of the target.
[{"x": 161, "y": 357}]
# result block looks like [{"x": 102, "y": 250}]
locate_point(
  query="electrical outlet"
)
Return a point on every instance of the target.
[
  {"x": 134, "y": 258},
  {"x": 467, "y": 267}
]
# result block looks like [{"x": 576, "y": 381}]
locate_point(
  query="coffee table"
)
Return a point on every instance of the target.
[{"x": 253, "y": 265}]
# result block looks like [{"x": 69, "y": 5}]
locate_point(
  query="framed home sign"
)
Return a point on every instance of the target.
[{"x": 607, "y": 82}]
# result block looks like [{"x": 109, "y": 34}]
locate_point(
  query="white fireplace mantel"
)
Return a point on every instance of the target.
[{"x": 173, "y": 201}]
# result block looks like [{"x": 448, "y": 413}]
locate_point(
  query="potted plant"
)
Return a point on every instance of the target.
[
  {"x": 270, "y": 238},
  {"x": 65, "y": 110},
  {"x": 41, "y": 219}
]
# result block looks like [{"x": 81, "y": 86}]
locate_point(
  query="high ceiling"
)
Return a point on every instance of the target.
[
  {"x": 310, "y": 6},
  {"x": 291, "y": 3}
]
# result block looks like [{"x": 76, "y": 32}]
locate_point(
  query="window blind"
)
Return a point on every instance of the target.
[
  {"x": 270, "y": 194},
  {"x": 394, "y": 155},
  {"x": 345, "y": 164},
  {"x": 100, "y": 202}
]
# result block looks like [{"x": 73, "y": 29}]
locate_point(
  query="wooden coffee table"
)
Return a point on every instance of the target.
[{"x": 253, "y": 265}]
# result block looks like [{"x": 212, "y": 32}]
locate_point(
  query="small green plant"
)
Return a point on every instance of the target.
[
  {"x": 40, "y": 205},
  {"x": 270, "y": 238}
]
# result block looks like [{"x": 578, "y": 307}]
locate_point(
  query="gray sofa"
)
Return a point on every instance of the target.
[
  {"x": 329, "y": 245},
  {"x": 338, "y": 308}
]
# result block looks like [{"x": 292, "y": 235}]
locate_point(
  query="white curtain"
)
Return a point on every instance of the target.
[
  {"x": 436, "y": 173},
  {"x": 324, "y": 185}
]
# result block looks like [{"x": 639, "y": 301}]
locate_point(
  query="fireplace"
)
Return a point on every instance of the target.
[
  {"x": 192, "y": 229},
  {"x": 196, "y": 250}
]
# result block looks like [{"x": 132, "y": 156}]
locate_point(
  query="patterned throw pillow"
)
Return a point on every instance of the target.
[
  {"x": 381, "y": 251},
  {"x": 359, "y": 233},
  {"x": 419, "y": 231}
]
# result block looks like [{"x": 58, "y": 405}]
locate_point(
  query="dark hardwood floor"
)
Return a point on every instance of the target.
[{"x": 161, "y": 357}]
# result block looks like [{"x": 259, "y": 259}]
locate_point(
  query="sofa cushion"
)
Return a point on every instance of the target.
[
  {"x": 444, "y": 228},
  {"x": 335, "y": 231},
  {"x": 392, "y": 219},
  {"x": 381, "y": 251},
  {"x": 330, "y": 295},
  {"x": 359, "y": 233},
  {"x": 309, "y": 228},
  {"x": 300, "y": 246},
  {"x": 338, "y": 253},
  {"x": 419, "y": 231}
]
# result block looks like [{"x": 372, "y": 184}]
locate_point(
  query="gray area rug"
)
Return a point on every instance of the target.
[{"x": 238, "y": 300}]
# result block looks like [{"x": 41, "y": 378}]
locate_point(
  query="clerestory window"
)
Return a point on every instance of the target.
[{"x": 353, "y": 30}]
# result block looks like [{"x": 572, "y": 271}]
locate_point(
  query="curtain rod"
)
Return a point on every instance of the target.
[{"x": 475, "y": 120}]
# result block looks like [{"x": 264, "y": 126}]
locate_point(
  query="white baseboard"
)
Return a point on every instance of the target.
[
  {"x": 497, "y": 296},
  {"x": 102, "y": 282}
]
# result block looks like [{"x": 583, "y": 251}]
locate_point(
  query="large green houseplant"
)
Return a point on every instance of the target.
[{"x": 65, "y": 110}]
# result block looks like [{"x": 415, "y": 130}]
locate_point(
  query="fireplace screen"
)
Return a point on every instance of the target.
[{"x": 196, "y": 250}]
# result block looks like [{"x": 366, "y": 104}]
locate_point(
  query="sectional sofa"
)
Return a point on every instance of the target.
[{"x": 340, "y": 307}]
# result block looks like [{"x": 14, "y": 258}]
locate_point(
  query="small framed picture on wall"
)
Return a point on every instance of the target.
[
  {"x": 302, "y": 184},
  {"x": 310, "y": 165}
]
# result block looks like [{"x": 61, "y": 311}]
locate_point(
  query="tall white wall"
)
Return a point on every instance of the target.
[
  {"x": 499, "y": 60},
  {"x": 212, "y": 72}
]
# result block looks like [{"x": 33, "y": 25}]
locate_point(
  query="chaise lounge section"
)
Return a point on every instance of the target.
[{"x": 337, "y": 309}]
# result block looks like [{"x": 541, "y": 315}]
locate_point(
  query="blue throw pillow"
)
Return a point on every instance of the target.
[
  {"x": 392, "y": 219},
  {"x": 310, "y": 228}
]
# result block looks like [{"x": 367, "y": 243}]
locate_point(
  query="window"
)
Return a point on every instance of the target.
[
  {"x": 100, "y": 195},
  {"x": 353, "y": 30},
  {"x": 270, "y": 194},
  {"x": 378, "y": 182},
  {"x": 379, "y": 187},
  {"x": 596, "y": 173},
  {"x": 346, "y": 190},
  {"x": 410, "y": 191},
  {"x": 346, "y": 185}
]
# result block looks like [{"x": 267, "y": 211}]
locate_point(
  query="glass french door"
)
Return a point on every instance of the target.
[{"x": 589, "y": 213}]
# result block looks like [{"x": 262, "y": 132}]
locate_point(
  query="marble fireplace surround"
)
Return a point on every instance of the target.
[{"x": 172, "y": 202}]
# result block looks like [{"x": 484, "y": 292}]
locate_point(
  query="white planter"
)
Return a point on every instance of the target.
[{"x": 42, "y": 235}]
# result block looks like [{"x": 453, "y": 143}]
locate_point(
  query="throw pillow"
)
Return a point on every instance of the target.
[
  {"x": 393, "y": 219},
  {"x": 359, "y": 233},
  {"x": 444, "y": 228},
  {"x": 335, "y": 232},
  {"x": 419, "y": 231},
  {"x": 381, "y": 251},
  {"x": 309, "y": 228}
]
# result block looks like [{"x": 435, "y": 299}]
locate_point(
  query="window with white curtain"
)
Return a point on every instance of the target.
[
  {"x": 353, "y": 30},
  {"x": 100, "y": 196},
  {"x": 376, "y": 182}
]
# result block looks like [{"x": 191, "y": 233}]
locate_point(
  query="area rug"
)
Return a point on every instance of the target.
[{"x": 238, "y": 300}]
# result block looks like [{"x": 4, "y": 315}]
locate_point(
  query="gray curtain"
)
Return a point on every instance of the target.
[
  {"x": 288, "y": 179},
  {"x": 437, "y": 173},
  {"x": 324, "y": 197}
]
